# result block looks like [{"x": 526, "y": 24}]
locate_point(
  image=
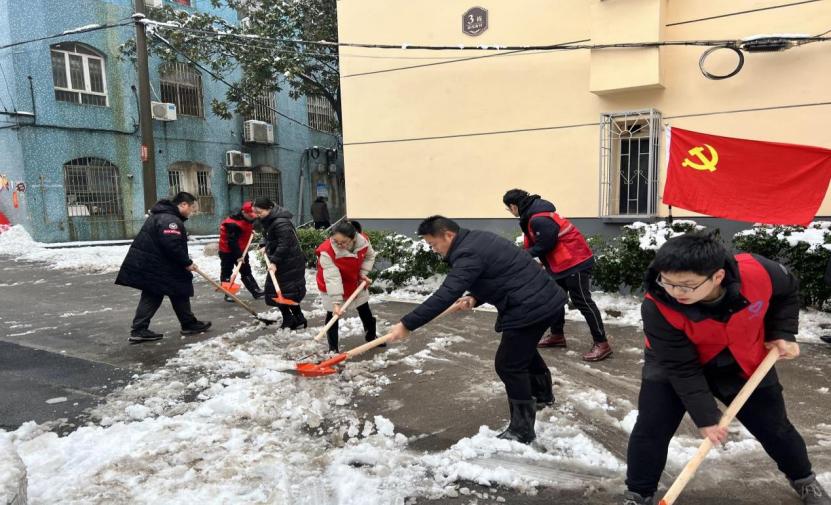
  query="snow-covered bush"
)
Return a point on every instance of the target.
[
  {"x": 620, "y": 262},
  {"x": 806, "y": 251}
]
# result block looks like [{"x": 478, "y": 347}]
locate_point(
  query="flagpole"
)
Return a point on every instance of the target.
[{"x": 669, "y": 217}]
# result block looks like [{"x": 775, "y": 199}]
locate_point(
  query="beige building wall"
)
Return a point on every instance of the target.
[{"x": 451, "y": 136}]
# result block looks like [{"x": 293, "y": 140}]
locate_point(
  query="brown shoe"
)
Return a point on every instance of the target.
[
  {"x": 598, "y": 352},
  {"x": 552, "y": 340}
]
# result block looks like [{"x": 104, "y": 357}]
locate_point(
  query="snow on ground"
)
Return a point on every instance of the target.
[
  {"x": 12, "y": 473},
  {"x": 226, "y": 421}
]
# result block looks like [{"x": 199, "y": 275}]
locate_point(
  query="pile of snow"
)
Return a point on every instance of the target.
[
  {"x": 12, "y": 474},
  {"x": 654, "y": 235},
  {"x": 815, "y": 234}
]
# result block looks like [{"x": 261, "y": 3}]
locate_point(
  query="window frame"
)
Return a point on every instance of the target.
[
  {"x": 90, "y": 53},
  {"x": 170, "y": 75},
  {"x": 320, "y": 114}
]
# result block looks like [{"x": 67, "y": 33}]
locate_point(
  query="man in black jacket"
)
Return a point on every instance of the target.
[
  {"x": 709, "y": 319},
  {"x": 563, "y": 251},
  {"x": 493, "y": 270},
  {"x": 158, "y": 264}
]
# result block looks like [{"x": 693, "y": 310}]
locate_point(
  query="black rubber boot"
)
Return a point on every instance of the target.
[
  {"x": 195, "y": 328},
  {"x": 811, "y": 491},
  {"x": 251, "y": 285},
  {"x": 632, "y": 498},
  {"x": 542, "y": 389},
  {"x": 299, "y": 318},
  {"x": 288, "y": 318},
  {"x": 523, "y": 417}
]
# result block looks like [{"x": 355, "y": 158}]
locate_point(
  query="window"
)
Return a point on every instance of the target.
[
  {"x": 268, "y": 183},
  {"x": 629, "y": 163},
  {"x": 264, "y": 108},
  {"x": 321, "y": 113},
  {"x": 92, "y": 188},
  {"x": 78, "y": 73},
  {"x": 195, "y": 178},
  {"x": 182, "y": 85}
]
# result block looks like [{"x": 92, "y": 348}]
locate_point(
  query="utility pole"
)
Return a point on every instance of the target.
[{"x": 148, "y": 150}]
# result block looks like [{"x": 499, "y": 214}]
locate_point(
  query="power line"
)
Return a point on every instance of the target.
[
  {"x": 219, "y": 78},
  {"x": 67, "y": 33},
  {"x": 8, "y": 89},
  {"x": 742, "y": 12},
  {"x": 576, "y": 125}
]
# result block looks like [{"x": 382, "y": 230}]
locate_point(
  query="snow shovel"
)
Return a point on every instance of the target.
[
  {"x": 231, "y": 285},
  {"x": 232, "y": 295},
  {"x": 345, "y": 306},
  {"x": 689, "y": 471},
  {"x": 279, "y": 298},
  {"x": 326, "y": 367}
]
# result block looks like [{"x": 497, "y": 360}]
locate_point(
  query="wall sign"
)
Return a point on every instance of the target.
[
  {"x": 322, "y": 189},
  {"x": 475, "y": 21}
]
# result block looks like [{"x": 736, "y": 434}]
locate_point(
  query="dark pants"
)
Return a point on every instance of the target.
[
  {"x": 322, "y": 225},
  {"x": 150, "y": 303},
  {"x": 517, "y": 359},
  {"x": 364, "y": 312},
  {"x": 228, "y": 261},
  {"x": 578, "y": 287},
  {"x": 660, "y": 412}
]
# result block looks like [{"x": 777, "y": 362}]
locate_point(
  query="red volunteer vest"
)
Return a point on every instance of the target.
[
  {"x": 744, "y": 333},
  {"x": 571, "y": 249},
  {"x": 350, "y": 268},
  {"x": 246, "y": 227}
]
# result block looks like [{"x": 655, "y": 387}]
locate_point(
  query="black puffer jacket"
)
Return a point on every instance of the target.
[
  {"x": 494, "y": 271},
  {"x": 283, "y": 249},
  {"x": 158, "y": 255},
  {"x": 672, "y": 357}
]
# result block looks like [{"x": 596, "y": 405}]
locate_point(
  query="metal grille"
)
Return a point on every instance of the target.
[
  {"x": 203, "y": 192},
  {"x": 268, "y": 183},
  {"x": 92, "y": 188},
  {"x": 321, "y": 113},
  {"x": 195, "y": 178},
  {"x": 78, "y": 74},
  {"x": 182, "y": 85},
  {"x": 264, "y": 109},
  {"x": 629, "y": 163},
  {"x": 174, "y": 179}
]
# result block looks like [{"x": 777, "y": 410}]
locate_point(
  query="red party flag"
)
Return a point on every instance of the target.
[{"x": 746, "y": 180}]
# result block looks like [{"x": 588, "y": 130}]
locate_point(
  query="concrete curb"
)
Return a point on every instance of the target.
[{"x": 13, "y": 481}]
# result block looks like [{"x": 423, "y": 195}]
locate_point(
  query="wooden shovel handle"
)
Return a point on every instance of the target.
[
  {"x": 239, "y": 264},
  {"x": 381, "y": 340},
  {"x": 220, "y": 288},
  {"x": 345, "y": 306},
  {"x": 689, "y": 471}
]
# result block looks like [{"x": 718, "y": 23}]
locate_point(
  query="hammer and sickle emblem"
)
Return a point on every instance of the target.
[{"x": 708, "y": 164}]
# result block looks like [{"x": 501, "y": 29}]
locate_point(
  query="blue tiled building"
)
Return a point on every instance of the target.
[{"x": 69, "y": 130}]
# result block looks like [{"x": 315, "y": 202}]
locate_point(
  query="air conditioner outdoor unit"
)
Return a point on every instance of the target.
[
  {"x": 163, "y": 111},
  {"x": 237, "y": 159},
  {"x": 258, "y": 132},
  {"x": 240, "y": 177}
]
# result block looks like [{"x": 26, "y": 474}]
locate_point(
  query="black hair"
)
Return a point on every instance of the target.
[
  {"x": 436, "y": 225},
  {"x": 263, "y": 203},
  {"x": 357, "y": 225},
  {"x": 345, "y": 228},
  {"x": 183, "y": 197},
  {"x": 697, "y": 252},
  {"x": 514, "y": 197}
]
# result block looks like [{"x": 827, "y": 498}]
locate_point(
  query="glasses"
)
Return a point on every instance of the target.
[
  {"x": 343, "y": 244},
  {"x": 682, "y": 289}
]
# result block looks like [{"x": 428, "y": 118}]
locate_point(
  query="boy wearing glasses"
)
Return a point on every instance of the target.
[{"x": 709, "y": 320}]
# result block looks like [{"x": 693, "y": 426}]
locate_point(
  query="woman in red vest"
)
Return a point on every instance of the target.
[
  {"x": 709, "y": 320},
  {"x": 234, "y": 232},
  {"x": 343, "y": 261},
  {"x": 566, "y": 255}
]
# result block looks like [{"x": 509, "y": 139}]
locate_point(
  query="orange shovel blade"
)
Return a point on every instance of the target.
[
  {"x": 232, "y": 288},
  {"x": 283, "y": 300},
  {"x": 314, "y": 370}
]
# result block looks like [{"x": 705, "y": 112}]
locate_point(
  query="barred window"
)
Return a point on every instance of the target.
[
  {"x": 268, "y": 183},
  {"x": 92, "y": 188},
  {"x": 629, "y": 163},
  {"x": 78, "y": 74},
  {"x": 195, "y": 178},
  {"x": 321, "y": 113},
  {"x": 264, "y": 108},
  {"x": 181, "y": 84}
]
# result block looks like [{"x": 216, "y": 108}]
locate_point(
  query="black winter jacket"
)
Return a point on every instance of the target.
[
  {"x": 158, "y": 255},
  {"x": 546, "y": 233},
  {"x": 673, "y": 357},
  {"x": 283, "y": 249},
  {"x": 494, "y": 271}
]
